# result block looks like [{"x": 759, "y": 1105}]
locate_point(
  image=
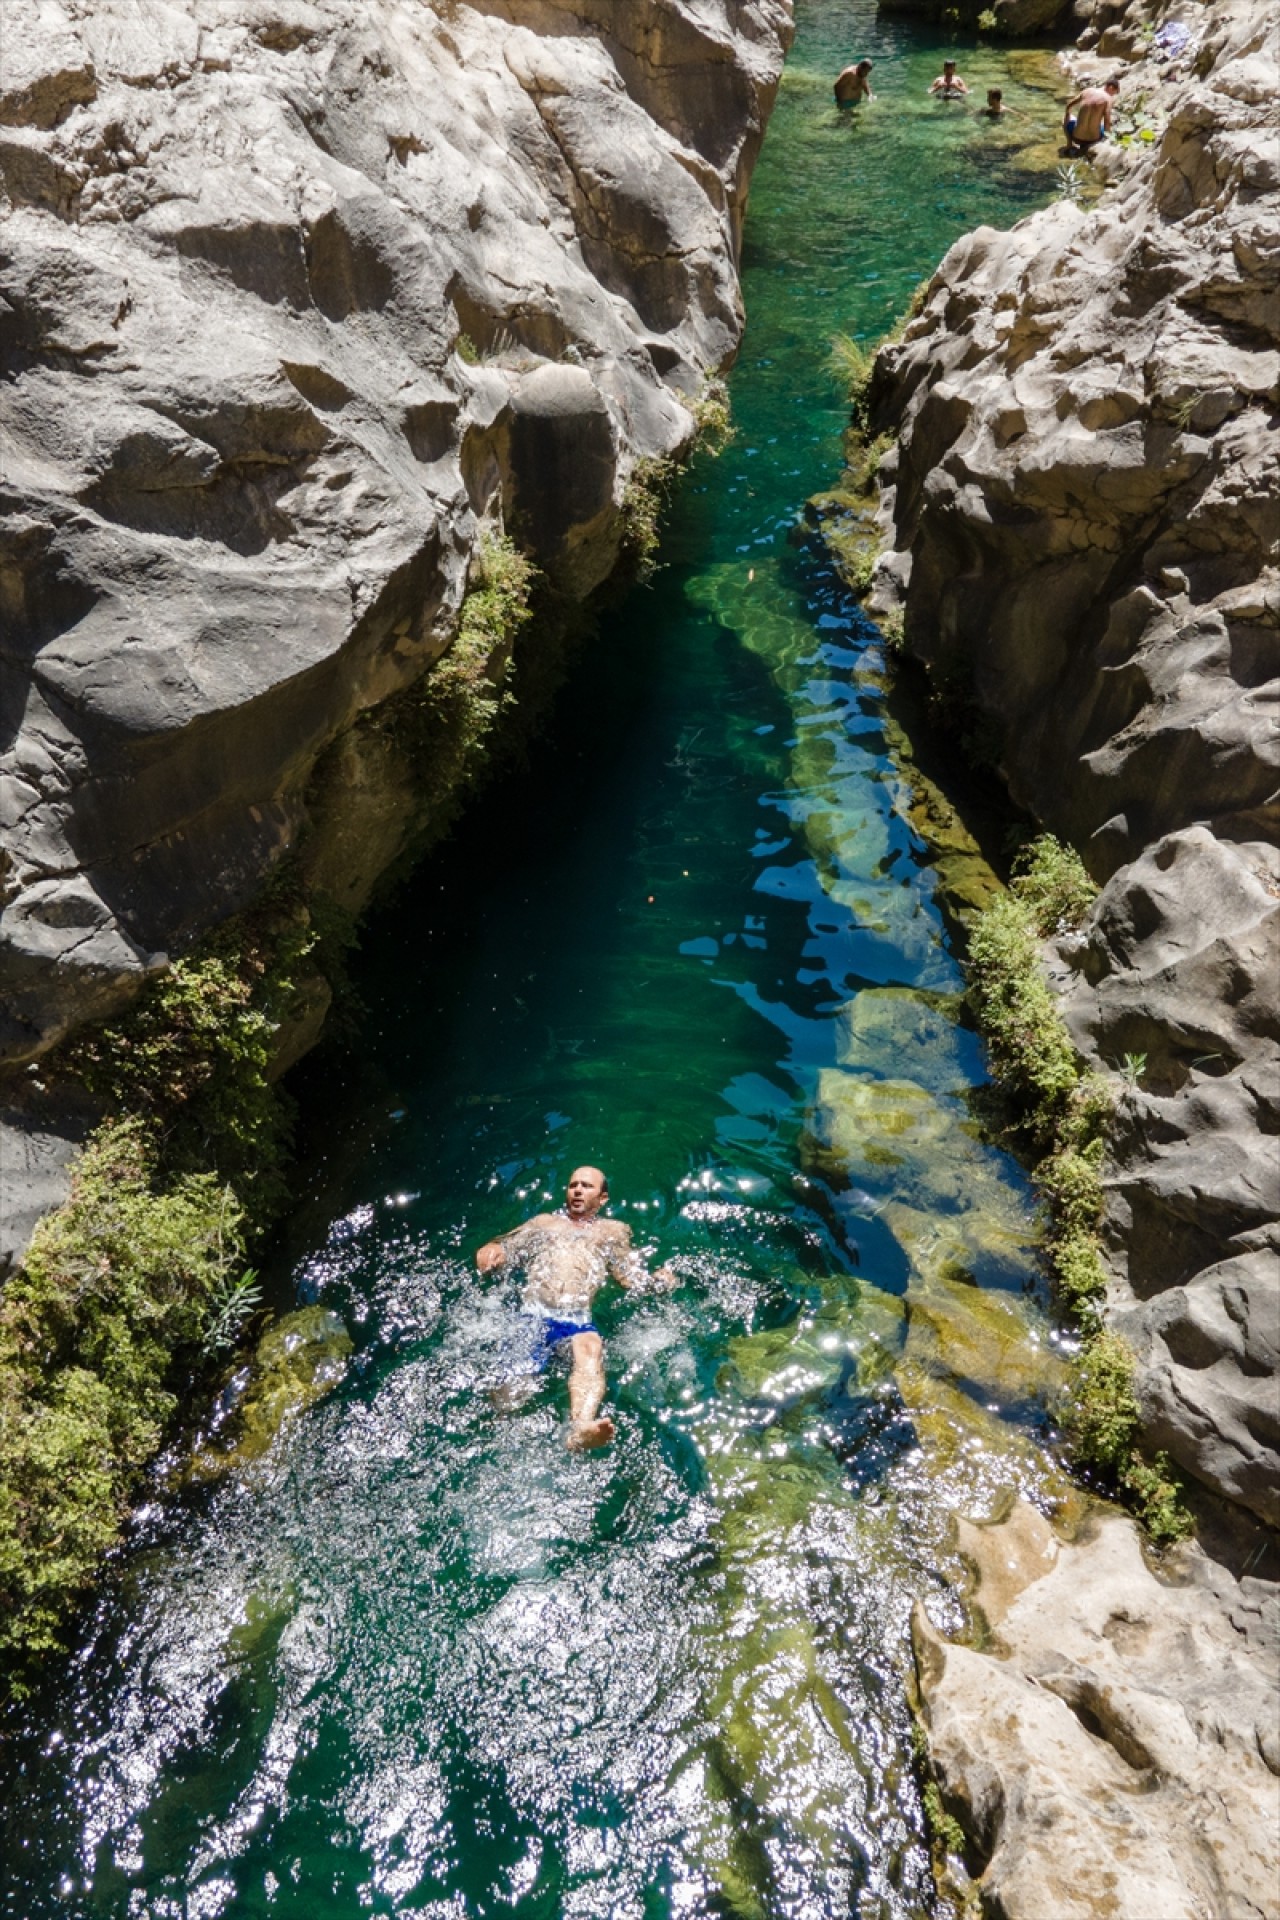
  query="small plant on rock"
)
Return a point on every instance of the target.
[
  {"x": 234, "y": 1303},
  {"x": 1071, "y": 180},
  {"x": 713, "y": 417},
  {"x": 644, "y": 499},
  {"x": 852, "y": 364}
]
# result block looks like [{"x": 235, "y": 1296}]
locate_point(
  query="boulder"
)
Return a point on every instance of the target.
[{"x": 1108, "y": 1741}]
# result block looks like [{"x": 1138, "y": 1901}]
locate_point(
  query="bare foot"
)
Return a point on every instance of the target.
[{"x": 592, "y": 1433}]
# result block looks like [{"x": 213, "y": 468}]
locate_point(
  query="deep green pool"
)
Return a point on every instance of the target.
[{"x": 415, "y": 1660}]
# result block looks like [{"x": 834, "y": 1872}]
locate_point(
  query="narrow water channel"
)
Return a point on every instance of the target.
[{"x": 414, "y": 1659}]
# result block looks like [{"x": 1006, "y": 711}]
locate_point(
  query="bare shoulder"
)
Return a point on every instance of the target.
[{"x": 616, "y": 1230}]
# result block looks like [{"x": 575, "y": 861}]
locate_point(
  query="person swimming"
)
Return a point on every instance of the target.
[
  {"x": 567, "y": 1257},
  {"x": 854, "y": 84},
  {"x": 1087, "y": 118},
  {"x": 948, "y": 83},
  {"x": 995, "y": 104}
]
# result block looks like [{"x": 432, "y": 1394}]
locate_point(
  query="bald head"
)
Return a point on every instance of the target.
[{"x": 586, "y": 1193}]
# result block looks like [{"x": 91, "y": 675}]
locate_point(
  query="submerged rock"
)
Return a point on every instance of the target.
[
  {"x": 299, "y": 1359},
  {"x": 1112, "y": 1748},
  {"x": 1082, "y": 523}
]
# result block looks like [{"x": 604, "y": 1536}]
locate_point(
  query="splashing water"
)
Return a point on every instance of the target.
[{"x": 402, "y": 1654}]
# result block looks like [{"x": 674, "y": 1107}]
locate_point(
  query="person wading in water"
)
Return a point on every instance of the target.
[
  {"x": 948, "y": 83},
  {"x": 567, "y": 1258},
  {"x": 854, "y": 84}
]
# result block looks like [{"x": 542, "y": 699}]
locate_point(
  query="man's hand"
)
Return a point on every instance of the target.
[{"x": 492, "y": 1254}]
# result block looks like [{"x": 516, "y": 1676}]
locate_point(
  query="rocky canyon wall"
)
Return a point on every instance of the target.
[
  {"x": 1081, "y": 515},
  {"x": 295, "y": 300}
]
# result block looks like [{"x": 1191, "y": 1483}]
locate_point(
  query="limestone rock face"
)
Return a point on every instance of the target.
[
  {"x": 1112, "y": 1750},
  {"x": 295, "y": 297},
  {"x": 1082, "y": 521}
]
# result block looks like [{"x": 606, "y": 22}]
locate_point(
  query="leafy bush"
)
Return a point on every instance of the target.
[
  {"x": 893, "y": 627},
  {"x": 1157, "y": 1495},
  {"x": 943, "y": 1826},
  {"x": 115, "y": 1294},
  {"x": 852, "y": 364},
  {"x": 712, "y": 415},
  {"x": 1079, "y": 1275},
  {"x": 644, "y": 499},
  {"x": 497, "y": 600},
  {"x": 1052, "y": 880},
  {"x": 1100, "y": 1409},
  {"x": 1030, "y": 1048},
  {"x": 443, "y": 724},
  {"x": 192, "y": 1056},
  {"x": 1072, "y": 1179}
]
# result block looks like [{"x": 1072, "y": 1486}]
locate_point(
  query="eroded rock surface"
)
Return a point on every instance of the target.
[
  {"x": 295, "y": 297},
  {"x": 1082, "y": 520},
  {"x": 1113, "y": 1748}
]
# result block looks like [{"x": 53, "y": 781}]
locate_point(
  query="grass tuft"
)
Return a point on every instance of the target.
[{"x": 852, "y": 364}]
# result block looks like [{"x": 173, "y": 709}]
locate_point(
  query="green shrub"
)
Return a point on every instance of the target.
[
  {"x": 1079, "y": 1275},
  {"x": 192, "y": 1056},
  {"x": 1051, "y": 879},
  {"x": 115, "y": 1295},
  {"x": 1031, "y": 1050},
  {"x": 444, "y": 723},
  {"x": 644, "y": 500},
  {"x": 852, "y": 364},
  {"x": 943, "y": 1827},
  {"x": 1072, "y": 1180},
  {"x": 1100, "y": 1409},
  {"x": 496, "y": 605},
  {"x": 1156, "y": 1493},
  {"x": 713, "y": 418},
  {"x": 893, "y": 628}
]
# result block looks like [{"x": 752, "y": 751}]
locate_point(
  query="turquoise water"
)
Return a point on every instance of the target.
[{"x": 413, "y": 1658}]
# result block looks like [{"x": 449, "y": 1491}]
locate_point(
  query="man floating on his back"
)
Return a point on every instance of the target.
[{"x": 567, "y": 1257}]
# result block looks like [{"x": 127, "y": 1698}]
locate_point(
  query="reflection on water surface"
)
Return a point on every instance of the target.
[{"x": 407, "y": 1657}]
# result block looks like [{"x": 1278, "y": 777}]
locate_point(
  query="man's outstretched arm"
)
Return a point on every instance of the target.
[
  {"x": 508, "y": 1247},
  {"x": 630, "y": 1269}
]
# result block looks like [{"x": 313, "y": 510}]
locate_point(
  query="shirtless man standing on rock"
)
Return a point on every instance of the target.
[{"x": 566, "y": 1258}]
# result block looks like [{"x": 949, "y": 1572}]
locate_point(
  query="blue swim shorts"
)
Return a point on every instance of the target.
[{"x": 541, "y": 1338}]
